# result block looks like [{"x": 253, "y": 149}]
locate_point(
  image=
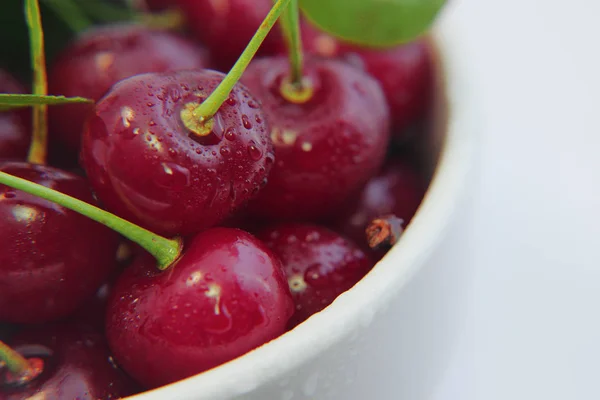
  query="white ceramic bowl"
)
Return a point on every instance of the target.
[{"x": 390, "y": 336}]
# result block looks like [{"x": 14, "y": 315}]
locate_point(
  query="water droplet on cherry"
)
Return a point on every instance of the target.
[
  {"x": 254, "y": 151},
  {"x": 246, "y": 122},
  {"x": 230, "y": 134}
]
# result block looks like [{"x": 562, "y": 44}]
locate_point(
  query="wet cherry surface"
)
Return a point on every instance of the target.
[
  {"x": 76, "y": 363},
  {"x": 100, "y": 57},
  {"x": 327, "y": 147},
  {"x": 319, "y": 264},
  {"x": 146, "y": 166},
  {"x": 224, "y": 297},
  {"x": 14, "y": 125},
  {"x": 52, "y": 259}
]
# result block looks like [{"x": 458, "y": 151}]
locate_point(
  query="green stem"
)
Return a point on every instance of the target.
[
  {"x": 290, "y": 24},
  {"x": 15, "y": 362},
  {"x": 211, "y": 105},
  {"x": 166, "y": 251},
  {"x": 39, "y": 141}
]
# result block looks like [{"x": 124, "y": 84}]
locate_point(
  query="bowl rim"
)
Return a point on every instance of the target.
[{"x": 357, "y": 307}]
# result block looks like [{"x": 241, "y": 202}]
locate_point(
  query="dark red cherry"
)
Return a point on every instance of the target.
[
  {"x": 226, "y": 27},
  {"x": 100, "y": 57},
  {"x": 158, "y": 5},
  {"x": 76, "y": 365},
  {"x": 405, "y": 73},
  {"x": 406, "y": 76},
  {"x": 326, "y": 147},
  {"x": 398, "y": 189},
  {"x": 146, "y": 166},
  {"x": 319, "y": 264},
  {"x": 226, "y": 296},
  {"x": 15, "y": 126},
  {"x": 52, "y": 258}
]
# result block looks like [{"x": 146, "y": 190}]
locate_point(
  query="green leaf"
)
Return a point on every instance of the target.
[
  {"x": 373, "y": 23},
  {"x": 70, "y": 12},
  {"x": 11, "y": 101},
  {"x": 103, "y": 11}
]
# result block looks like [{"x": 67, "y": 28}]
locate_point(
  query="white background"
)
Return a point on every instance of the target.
[{"x": 533, "y": 330}]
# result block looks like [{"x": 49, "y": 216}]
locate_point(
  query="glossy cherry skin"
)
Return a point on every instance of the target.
[
  {"x": 398, "y": 189},
  {"x": 52, "y": 258},
  {"x": 102, "y": 56},
  {"x": 77, "y": 365},
  {"x": 225, "y": 296},
  {"x": 15, "y": 126},
  {"x": 146, "y": 166},
  {"x": 327, "y": 147},
  {"x": 319, "y": 264}
]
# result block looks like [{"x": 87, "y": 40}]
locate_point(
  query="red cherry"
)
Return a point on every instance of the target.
[
  {"x": 398, "y": 189},
  {"x": 226, "y": 27},
  {"x": 15, "y": 126},
  {"x": 319, "y": 264},
  {"x": 100, "y": 57},
  {"x": 146, "y": 166},
  {"x": 406, "y": 76},
  {"x": 75, "y": 362},
  {"x": 405, "y": 72},
  {"x": 225, "y": 296},
  {"x": 52, "y": 258},
  {"x": 326, "y": 147}
]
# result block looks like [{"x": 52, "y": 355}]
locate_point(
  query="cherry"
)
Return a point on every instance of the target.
[
  {"x": 405, "y": 73},
  {"x": 328, "y": 146},
  {"x": 100, "y": 57},
  {"x": 398, "y": 189},
  {"x": 319, "y": 264},
  {"x": 226, "y": 27},
  {"x": 149, "y": 168},
  {"x": 75, "y": 364},
  {"x": 406, "y": 76},
  {"x": 52, "y": 258},
  {"x": 225, "y": 296},
  {"x": 15, "y": 126}
]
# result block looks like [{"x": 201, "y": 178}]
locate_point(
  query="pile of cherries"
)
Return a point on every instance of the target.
[{"x": 269, "y": 197}]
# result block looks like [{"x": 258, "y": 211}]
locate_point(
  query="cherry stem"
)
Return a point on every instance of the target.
[
  {"x": 166, "y": 251},
  {"x": 383, "y": 232},
  {"x": 290, "y": 24},
  {"x": 15, "y": 362},
  {"x": 39, "y": 142},
  {"x": 211, "y": 105}
]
